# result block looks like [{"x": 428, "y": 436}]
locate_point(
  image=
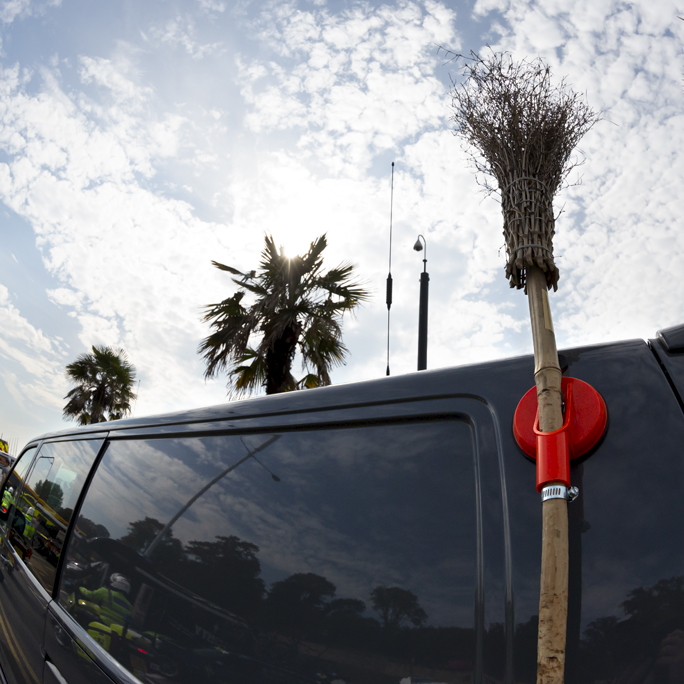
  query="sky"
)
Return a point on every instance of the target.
[{"x": 141, "y": 141}]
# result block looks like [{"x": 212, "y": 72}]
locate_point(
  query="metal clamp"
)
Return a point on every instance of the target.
[{"x": 557, "y": 491}]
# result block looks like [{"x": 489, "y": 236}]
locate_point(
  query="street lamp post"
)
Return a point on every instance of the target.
[{"x": 423, "y": 309}]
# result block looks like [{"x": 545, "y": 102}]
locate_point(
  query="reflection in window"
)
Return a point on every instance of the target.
[
  {"x": 12, "y": 525},
  {"x": 273, "y": 558},
  {"x": 14, "y": 482},
  {"x": 45, "y": 501}
]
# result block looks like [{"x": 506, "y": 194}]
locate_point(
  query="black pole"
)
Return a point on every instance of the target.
[
  {"x": 423, "y": 321},
  {"x": 389, "y": 275}
]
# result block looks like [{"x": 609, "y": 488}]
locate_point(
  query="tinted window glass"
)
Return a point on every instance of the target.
[
  {"x": 271, "y": 558},
  {"x": 16, "y": 478},
  {"x": 10, "y": 492},
  {"x": 45, "y": 504}
]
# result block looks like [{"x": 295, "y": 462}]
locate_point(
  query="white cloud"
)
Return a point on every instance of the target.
[
  {"x": 475, "y": 330},
  {"x": 11, "y": 9},
  {"x": 99, "y": 330},
  {"x": 66, "y": 297},
  {"x": 212, "y": 5},
  {"x": 134, "y": 265},
  {"x": 180, "y": 32},
  {"x": 113, "y": 76},
  {"x": 357, "y": 83},
  {"x": 15, "y": 326},
  {"x": 30, "y": 359}
]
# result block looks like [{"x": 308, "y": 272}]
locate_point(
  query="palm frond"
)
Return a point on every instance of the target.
[
  {"x": 313, "y": 257},
  {"x": 309, "y": 381},
  {"x": 230, "y": 269},
  {"x": 248, "y": 377},
  {"x": 254, "y": 288}
]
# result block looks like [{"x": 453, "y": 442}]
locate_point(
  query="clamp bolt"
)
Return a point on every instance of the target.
[{"x": 559, "y": 491}]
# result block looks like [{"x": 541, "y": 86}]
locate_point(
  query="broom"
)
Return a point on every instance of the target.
[{"x": 521, "y": 131}]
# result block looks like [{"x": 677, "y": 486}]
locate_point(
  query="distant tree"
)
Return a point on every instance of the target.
[
  {"x": 298, "y": 603},
  {"x": 104, "y": 386},
  {"x": 141, "y": 533},
  {"x": 90, "y": 529},
  {"x": 345, "y": 606},
  {"x": 395, "y": 605},
  {"x": 651, "y": 634},
  {"x": 226, "y": 572},
  {"x": 51, "y": 493},
  {"x": 662, "y": 602},
  {"x": 297, "y": 306},
  {"x": 345, "y": 624},
  {"x": 306, "y": 589}
]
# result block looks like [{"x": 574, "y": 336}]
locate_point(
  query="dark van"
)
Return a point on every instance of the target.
[{"x": 383, "y": 532}]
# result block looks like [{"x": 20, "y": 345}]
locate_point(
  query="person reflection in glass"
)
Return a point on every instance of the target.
[
  {"x": 7, "y": 498},
  {"x": 112, "y": 604}
]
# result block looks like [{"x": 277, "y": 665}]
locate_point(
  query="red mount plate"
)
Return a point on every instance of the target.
[{"x": 585, "y": 422}]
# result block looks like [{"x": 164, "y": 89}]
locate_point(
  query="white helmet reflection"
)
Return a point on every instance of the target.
[{"x": 118, "y": 581}]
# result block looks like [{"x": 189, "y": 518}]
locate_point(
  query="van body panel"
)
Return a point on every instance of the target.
[
  {"x": 22, "y": 612},
  {"x": 626, "y": 595},
  {"x": 673, "y": 365}
]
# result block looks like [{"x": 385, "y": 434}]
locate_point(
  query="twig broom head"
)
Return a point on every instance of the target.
[{"x": 521, "y": 130}]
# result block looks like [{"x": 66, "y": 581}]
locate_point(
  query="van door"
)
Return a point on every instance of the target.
[{"x": 31, "y": 536}]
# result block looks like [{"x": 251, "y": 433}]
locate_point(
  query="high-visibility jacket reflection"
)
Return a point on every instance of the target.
[
  {"x": 114, "y": 607},
  {"x": 7, "y": 496}
]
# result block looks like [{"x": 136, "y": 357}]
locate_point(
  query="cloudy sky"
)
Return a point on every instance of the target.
[{"x": 141, "y": 140}]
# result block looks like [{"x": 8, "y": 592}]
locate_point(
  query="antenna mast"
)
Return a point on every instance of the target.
[{"x": 389, "y": 275}]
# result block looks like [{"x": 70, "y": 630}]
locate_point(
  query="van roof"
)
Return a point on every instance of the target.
[{"x": 474, "y": 379}]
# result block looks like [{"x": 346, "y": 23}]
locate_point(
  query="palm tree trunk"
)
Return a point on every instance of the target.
[{"x": 279, "y": 362}]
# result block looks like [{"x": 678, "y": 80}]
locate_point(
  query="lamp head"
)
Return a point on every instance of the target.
[{"x": 418, "y": 246}]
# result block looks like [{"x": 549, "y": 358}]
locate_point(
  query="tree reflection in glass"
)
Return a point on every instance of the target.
[{"x": 357, "y": 558}]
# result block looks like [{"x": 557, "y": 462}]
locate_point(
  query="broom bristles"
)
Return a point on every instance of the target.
[{"x": 522, "y": 131}]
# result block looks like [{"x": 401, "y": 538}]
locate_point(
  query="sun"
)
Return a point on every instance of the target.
[{"x": 293, "y": 243}]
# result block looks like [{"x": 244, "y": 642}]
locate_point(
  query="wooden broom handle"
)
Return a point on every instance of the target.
[{"x": 553, "y": 594}]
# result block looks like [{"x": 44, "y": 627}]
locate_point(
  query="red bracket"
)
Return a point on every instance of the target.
[{"x": 585, "y": 422}]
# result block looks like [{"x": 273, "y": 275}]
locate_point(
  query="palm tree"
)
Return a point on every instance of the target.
[
  {"x": 104, "y": 386},
  {"x": 297, "y": 306}
]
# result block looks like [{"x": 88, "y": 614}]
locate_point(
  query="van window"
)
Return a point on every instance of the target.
[
  {"x": 10, "y": 492},
  {"x": 45, "y": 504},
  {"x": 270, "y": 558},
  {"x": 14, "y": 481}
]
